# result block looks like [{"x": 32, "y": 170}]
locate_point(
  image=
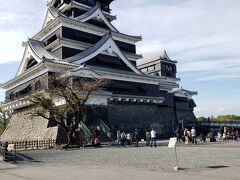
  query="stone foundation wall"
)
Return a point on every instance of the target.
[
  {"x": 142, "y": 117},
  {"x": 24, "y": 127},
  {"x": 187, "y": 116}
]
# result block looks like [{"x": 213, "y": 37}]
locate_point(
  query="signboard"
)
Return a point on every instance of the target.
[
  {"x": 172, "y": 142},
  {"x": 10, "y": 147}
]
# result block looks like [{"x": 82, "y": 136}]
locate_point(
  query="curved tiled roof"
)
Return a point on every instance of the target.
[
  {"x": 89, "y": 51},
  {"x": 97, "y": 8},
  {"x": 89, "y": 13},
  {"x": 98, "y": 48},
  {"x": 39, "y": 49},
  {"x": 53, "y": 11}
]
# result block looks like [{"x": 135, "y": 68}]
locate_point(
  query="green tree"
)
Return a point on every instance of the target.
[
  {"x": 228, "y": 118},
  {"x": 220, "y": 118},
  {"x": 202, "y": 119},
  {"x": 4, "y": 119},
  {"x": 66, "y": 97}
]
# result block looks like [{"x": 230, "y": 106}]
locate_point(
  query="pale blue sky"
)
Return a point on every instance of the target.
[{"x": 203, "y": 35}]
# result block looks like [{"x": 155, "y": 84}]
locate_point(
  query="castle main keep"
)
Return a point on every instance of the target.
[{"x": 79, "y": 39}]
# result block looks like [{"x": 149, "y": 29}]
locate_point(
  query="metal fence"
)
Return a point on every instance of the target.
[{"x": 231, "y": 124}]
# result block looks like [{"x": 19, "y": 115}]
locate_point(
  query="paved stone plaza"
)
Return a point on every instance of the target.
[{"x": 204, "y": 161}]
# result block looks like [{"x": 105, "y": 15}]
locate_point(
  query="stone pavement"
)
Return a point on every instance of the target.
[{"x": 205, "y": 162}]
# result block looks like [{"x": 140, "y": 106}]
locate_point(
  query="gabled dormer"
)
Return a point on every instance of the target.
[
  {"x": 34, "y": 54},
  {"x": 94, "y": 16},
  {"x": 96, "y": 13},
  {"x": 52, "y": 13},
  {"x": 94, "y": 56}
]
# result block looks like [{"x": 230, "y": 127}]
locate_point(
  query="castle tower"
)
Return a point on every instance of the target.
[{"x": 79, "y": 39}]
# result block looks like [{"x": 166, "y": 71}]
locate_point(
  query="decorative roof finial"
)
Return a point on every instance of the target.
[{"x": 24, "y": 44}]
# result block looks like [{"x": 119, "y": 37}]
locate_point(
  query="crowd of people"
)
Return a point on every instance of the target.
[
  {"x": 190, "y": 135},
  {"x": 228, "y": 134},
  {"x": 130, "y": 138}
]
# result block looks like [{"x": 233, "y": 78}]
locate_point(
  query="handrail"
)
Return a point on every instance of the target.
[
  {"x": 105, "y": 128},
  {"x": 86, "y": 132},
  {"x": 2, "y": 151}
]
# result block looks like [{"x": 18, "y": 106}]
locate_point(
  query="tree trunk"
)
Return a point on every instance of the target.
[{"x": 71, "y": 139}]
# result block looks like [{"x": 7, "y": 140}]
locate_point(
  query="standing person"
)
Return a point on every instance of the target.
[
  {"x": 185, "y": 133},
  {"x": 178, "y": 134},
  {"x": 189, "y": 135},
  {"x": 77, "y": 136},
  {"x": 118, "y": 136},
  {"x": 194, "y": 135},
  {"x": 97, "y": 131},
  {"x": 136, "y": 137},
  {"x": 148, "y": 138},
  {"x": 123, "y": 137},
  {"x": 234, "y": 134},
  {"x": 153, "y": 138},
  {"x": 221, "y": 131},
  {"x": 202, "y": 136},
  {"x": 129, "y": 138},
  {"x": 224, "y": 133},
  {"x": 219, "y": 136}
]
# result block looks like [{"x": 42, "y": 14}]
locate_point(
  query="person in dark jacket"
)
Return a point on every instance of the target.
[
  {"x": 178, "y": 135},
  {"x": 136, "y": 137}
]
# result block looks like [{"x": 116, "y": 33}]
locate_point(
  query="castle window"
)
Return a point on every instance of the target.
[
  {"x": 52, "y": 39},
  {"x": 31, "y": 63},
  {"x": 169, "y": 67},
  {"x": 157, "y": 67},
  {"x": 144, "y": 70},
  {"x": 38, "y": 85},
  {"x": 12, "y": 96},
  {"x": 150, "y": 68}
]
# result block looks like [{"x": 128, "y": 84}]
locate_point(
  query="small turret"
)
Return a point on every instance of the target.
[{"x": 163, "y": 66}]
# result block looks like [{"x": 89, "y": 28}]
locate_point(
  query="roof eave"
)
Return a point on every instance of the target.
[{"x": 11, "y": 81}]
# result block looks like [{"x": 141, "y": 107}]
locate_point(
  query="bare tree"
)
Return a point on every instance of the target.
[{"x": 65, "y": 96}]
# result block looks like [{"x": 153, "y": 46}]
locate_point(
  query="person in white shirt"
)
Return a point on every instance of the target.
[
  {"x": 194, "y": 135},
  {"x": 123, "y": 138},
  {"x": 153, "y": 138}
]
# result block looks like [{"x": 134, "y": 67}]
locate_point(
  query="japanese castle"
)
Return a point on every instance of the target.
[{"x": 79, "y": 39}]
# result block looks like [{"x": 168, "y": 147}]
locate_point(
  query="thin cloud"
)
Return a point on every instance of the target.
[
  {"x": 218, "y": 106},
  {"x": 196, "y": 33}
]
